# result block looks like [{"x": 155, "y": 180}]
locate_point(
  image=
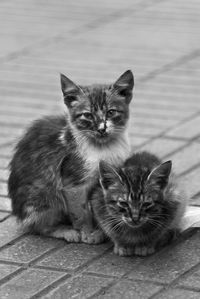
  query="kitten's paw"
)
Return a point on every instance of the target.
[
  {"x": 70, "y": 235},
  {"x": 123, "y": 251},
  {"x": 143, "y": 250},
  {"x": 94, "y": 237}
]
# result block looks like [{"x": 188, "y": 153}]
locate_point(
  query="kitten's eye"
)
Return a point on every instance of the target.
[
  {"x": 147, "y": 205},
  {"x": 87, "y": 115},
  {"x": 111, "y": 112},
  {"x": 123, "y": 204}
]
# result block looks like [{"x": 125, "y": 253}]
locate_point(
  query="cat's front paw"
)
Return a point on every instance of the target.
[
  {"x": 143, "y": 250},
  {"x": 68, "y": 234},
  {"x": 123, "y": 251},
  {"x": 94, "y": 237}
]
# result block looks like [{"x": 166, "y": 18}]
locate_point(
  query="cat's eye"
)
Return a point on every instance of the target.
[
  {"x": 111, "y": 112},
  {"x": 87, "y": 115}
]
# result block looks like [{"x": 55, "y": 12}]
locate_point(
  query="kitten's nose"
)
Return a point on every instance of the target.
[{"x": 135, "y": 215}]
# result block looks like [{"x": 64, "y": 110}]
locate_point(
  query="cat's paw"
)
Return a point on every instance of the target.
[
  {"x": 143, "y": 250},
  {"x": 94, "y": 237},
  {"x": 123, "y": 251},
  {"x": 69, "y": 235}
]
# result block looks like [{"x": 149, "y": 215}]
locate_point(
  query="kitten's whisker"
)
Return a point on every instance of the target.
[
  {"x": 111, "y": 224},
  {"x": 158, "y": 223}
]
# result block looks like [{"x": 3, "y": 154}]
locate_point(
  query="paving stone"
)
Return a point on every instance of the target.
[
  {"x": 167, "y": 92},
  {"x": 167, "y": 265},
  {"x": 162, "y": 146},
  {"x": 191, "y": 280},
  {"x": 3, "y": 188},
  {"x": 137, "y": 141},
  {"x": 5, "y": 203},
  {"x": 186, "y": 158},
  {"x": 73, "y": 256},
  {"x": 128, "y": 289},
  {"x": 145, "y": 130},
  {"x": 3, "y": 215},
  {"x": 155, "y": 121},
  {"x": 6, "y": 270},
  {"x": 28, "y": 283},
  {"x": 168, "y": 102},
  {"x": 6, "y": 151},
  {"x": 111, "y": 264},
  {"x": 38, "y": 103},
  {"x": 4, "y": 162},
  {"x": 10, "y": 132},
  {"x": 195, "y": 200},
  {"x": 190, "y": 182},
  {"x": 189, "y": 129},
  {"x": 79, "y": 287},
  {"x": 174, "y": 81},
  {"x": 8, "y": 231},
  {"x": 152, "y": 109},
  {"x": 4, "y": 174},
  {"x": 16, "y": 120},
  {"x": 29, "y": 248},
  {"x": 175, "y": 99},
  {"x": 177, "y": 294}
]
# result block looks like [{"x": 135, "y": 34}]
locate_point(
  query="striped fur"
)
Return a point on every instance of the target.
[{"x": 138, "y": 206}]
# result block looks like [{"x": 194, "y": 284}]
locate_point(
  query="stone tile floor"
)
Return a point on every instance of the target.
[{"x": 96, "y": 41}]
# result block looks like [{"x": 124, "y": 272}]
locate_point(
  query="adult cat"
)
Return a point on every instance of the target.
[{"x": 56, "y": 161}]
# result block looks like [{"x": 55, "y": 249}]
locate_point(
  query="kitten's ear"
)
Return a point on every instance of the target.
[
  {"x": 70, "y": 90},
  {"x": 108, "y": 175},
  {"x": 160, "y": 175},
  {"x": 124, "y": 85}
]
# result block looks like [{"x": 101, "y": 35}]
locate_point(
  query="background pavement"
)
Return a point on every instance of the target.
[{"x": 95, "y": 41}]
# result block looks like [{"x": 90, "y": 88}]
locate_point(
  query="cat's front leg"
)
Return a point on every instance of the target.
[
  {"x": 123, "y": 250},
  {"x": 67, "y": 233}
]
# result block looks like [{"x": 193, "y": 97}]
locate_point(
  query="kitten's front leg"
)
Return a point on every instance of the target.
[
  {"x": 95, "y": 236},
  {"x": 123, "y": 250},
  {"x": 144, "y": 250}
]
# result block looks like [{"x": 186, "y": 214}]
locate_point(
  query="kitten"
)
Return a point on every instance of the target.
[
  {"x": 138, "y": 206},
  {"x": 56, "y": 161}
]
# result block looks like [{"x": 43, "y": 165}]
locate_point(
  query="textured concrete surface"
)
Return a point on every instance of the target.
[{"x": 96, "y": 41}]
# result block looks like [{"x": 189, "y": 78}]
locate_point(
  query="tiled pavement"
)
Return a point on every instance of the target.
[{"x": 95, "y": 41}]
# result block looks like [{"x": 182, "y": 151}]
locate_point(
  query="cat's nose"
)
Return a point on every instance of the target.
[{"x": 101, "y": 129}]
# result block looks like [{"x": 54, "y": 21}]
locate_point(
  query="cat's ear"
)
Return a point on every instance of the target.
[
  {"x": 71, "y": 91},
  {"x": 108, "y": 175},
  {"x": 124, "y": 85},
  {"x": 160, "y": 175}
]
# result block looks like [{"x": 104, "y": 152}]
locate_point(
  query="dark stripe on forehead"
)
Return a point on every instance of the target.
[
  {"x": 124, "y": 173},
  {"x": 135, "y": 179},
  {"x": 97, "y": 96}
]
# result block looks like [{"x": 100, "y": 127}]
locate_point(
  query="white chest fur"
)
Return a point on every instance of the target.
[{"x": 115, "y": 154}]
